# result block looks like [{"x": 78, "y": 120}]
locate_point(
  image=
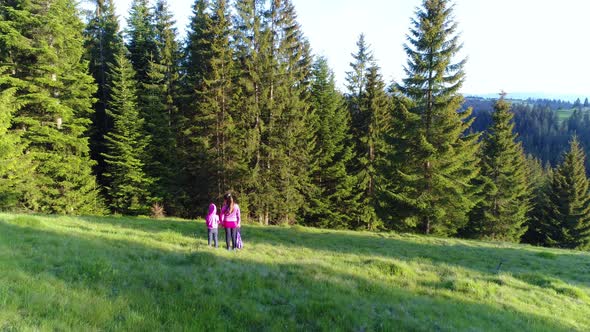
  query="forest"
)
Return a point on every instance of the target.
[{"x": 99, "y": 119}]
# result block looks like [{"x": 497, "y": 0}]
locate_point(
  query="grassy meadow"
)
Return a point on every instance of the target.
[
  {"x": 117, "y": 273},
  {"x": 564, "y": 114}
]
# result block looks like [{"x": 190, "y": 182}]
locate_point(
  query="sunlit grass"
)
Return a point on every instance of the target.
[
  {"x": 564, "y": 114},
  {"x": 90, "y": 273}
]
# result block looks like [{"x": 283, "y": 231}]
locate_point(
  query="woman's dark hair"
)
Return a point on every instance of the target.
[{"x": 228, "y": 201}]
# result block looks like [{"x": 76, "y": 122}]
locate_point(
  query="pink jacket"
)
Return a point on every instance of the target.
[
  {"x": 230, "y": 220},
  {"x": 212, "y": 219}
]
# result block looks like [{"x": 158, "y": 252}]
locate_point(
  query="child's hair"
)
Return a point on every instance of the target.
[
  {"x": 228, "y": 201},
  {"x": 212, "y": 213}
]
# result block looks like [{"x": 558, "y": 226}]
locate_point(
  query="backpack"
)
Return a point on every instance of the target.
[{"x": 239, "y": 243}]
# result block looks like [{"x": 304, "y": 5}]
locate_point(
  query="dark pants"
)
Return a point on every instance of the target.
[
  {"x": 212, "y": 235},
  {"x": 233, "y": 233}
]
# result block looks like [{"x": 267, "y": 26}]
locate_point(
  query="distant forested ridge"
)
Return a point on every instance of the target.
[
  {"x": 544, "y": 126},
  {"x": 96, "y": 118}
]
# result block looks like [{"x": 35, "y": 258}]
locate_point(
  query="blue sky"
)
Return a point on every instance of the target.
[{"x": 536, "y": 46}]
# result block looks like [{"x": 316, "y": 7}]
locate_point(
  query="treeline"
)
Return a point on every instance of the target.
[
  {"x": 480, "y": 104},
  {"x": 92, "y": 123}
]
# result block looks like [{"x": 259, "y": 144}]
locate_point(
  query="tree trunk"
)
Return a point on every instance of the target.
[{"x": 427, "y": 226}]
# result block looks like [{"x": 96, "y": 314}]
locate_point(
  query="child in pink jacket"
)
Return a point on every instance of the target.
[{"x": 212, "y": 221}]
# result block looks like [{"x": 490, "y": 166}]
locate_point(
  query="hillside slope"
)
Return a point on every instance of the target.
[{"x": 90, "y": 273}]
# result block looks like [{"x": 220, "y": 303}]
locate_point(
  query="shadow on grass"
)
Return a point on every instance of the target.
[
  {"x": 182, "y": 226},
  {"x": 147, "y": 288},
  {"x": 485, "y": 258}
]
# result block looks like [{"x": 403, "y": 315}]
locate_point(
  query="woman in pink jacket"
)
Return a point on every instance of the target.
[{"x": 230, "y": 219}]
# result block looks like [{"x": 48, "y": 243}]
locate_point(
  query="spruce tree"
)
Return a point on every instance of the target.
[
  {"x": 103, "y": 43},
  {"x": 212, "y": 124},
  {"x": 540, "y": 179},
  {"x": 160, "y": 111},
  {"x": 141, "y": 39},
  {"x": 567, "y": 209},
  {"x": 369, "y": 107},
  {"x": 272, "y": 102},
  {"x": 578, "y": 104},
  {"x": 127, "y": 183},
  {"x": 357, "y": 83},
  {"x": 372, "y": 124},
  {"x": 142, "y": 51},
  {"x": 502, "y": 211},
  {"x": 335, "y": 202},
  {"x": 433, "y": 161},
  {"x": 192, "y": 69},
  {"x": 54, "y": 93},
  {"x": 14, "y": 164},
  {"x": 285, "y": 140},
  {"x": 249, "y": 41}
]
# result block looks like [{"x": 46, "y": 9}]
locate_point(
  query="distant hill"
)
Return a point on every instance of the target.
[
  {"x": 544, "y": 126},
  {"x": 532, "y": 95},
  {"x": 479, "y": 103}
]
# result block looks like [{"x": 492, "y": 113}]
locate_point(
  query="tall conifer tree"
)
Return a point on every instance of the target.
[
  {"x": 248, "y": 95},
  {"x": 45, "y": 51},
  {"x": 212, "y": 124},
  {"x": 356, "y": 84},
  {"x": 142, "y": 51},
  {"x": 285, "y": 140},
  {"x": 335, "y": 201},
  {"x": 103, "y": 43},
  {"x": 15, "y": 169},
  {"x": 540, "y": 179},
  {"x": 192, "y": 70},
  {"x": 160, "y": 112},
  {"x": 369, "y": 109},
  {"x": 141, "y": 39},
  {"x": 502, "y": 212},
  {"x": 272, "y": 99},
  {"x": 372, "y": 124},
  {"x": 567, "y": 209},
  {"x": 127, "y": 183},
  {"x": 434, "y": 160}
]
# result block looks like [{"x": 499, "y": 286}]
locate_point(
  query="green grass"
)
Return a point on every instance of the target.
[
  {"x": 90, "y": 273},
  {"x": 564, "y": 114}
]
